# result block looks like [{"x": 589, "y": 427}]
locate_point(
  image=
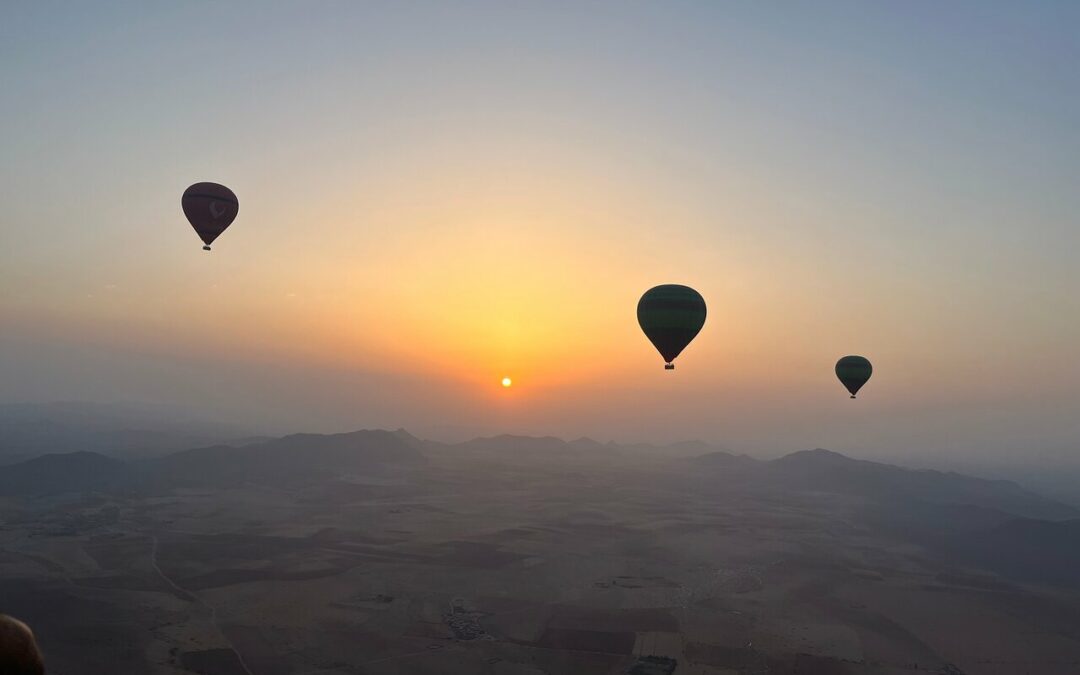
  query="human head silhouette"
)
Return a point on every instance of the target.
[{"x": 19, "y": 653}]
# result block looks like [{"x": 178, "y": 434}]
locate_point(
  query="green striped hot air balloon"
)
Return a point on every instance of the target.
[
  {"x": 671, "y": 316},
  {"x": 853, "y": 372}
]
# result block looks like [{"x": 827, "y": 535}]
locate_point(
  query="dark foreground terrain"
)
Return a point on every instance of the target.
[{"x": 375, "y": 552}]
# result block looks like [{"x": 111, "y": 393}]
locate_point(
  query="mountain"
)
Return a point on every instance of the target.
[
  {"x": 290, "y": 459},
  {"x": 923, "y": 500},
  {"x": 826, "y": 471},
  {"x": 685, "y": 449},
  {"x": 724, "y": 460},
  {"x": 59, "y": 473},
  {"x": 32, "y": 429},
  {"x": 545, "y": 445},
  {"x": 928, "y": 494}
]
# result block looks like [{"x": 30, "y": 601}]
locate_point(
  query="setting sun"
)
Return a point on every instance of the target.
[{"x": 506, "y": 382}]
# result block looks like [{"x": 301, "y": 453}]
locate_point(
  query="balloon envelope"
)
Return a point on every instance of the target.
[
  {"x": 671, "y": 316},
  {"x": 853, "y": 372},
  {"x": 210, "y": 208}
]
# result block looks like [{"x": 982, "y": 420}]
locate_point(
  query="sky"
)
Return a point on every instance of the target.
[{"x": 434, "y": 196}]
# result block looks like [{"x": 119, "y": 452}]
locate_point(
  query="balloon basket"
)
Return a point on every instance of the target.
[
  {"x": 669, "y": 366},
  {"x": 206, "y": 248}
]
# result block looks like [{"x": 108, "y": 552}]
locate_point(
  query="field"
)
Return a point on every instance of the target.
[{"x": 510, "y": 564}]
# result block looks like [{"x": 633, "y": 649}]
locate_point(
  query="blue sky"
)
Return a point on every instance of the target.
[{"x": 896, "y": 179}]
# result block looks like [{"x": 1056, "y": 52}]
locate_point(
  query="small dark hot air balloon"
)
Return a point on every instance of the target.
[
  {"x": 853, "y": 372},
  {"x": 671, "y": 316},
  {"x": 210, "y": 208}
]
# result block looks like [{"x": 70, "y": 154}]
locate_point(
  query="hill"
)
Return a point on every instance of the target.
[
  {"x": 290, "y": 459},
  {"x": 827, "y": 471},
  {"x": 62, "y": 472},
  {"x": 28, "y": 430},
  {"x": 300, "y": 458}
]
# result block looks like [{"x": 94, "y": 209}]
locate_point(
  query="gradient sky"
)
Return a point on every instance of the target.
[{"x": 436, "y": 195}]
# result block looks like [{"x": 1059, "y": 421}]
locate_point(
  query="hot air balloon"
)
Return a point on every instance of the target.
[
  {"x": 210, "y": 208},
  {"x": 671, "y": 316},
  {"x": 853, "y": 372}
]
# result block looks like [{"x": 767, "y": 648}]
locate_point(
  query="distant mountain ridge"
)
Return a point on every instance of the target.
[
  {"x": 319, "y": 457},
  {"x": 298, "y": 456},
  {"x": 993, "y": 524},
  {"x": 830, "y": 471},
  {"x": 290, "y": 459},
  {"x": 58, "y": 473},
  {"x": 826, "y": 471},
  {"x": 28, "y": 430}
]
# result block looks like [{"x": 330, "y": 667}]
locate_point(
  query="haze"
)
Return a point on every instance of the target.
[{"x": 436, "y": 196}]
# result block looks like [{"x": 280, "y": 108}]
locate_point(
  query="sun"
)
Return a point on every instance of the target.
[{"x": 506, "y": 382}]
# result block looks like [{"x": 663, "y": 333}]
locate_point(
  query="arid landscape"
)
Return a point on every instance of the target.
[
  {"x": 540, "y": 338},
  {"x": 377, "y": 552}
]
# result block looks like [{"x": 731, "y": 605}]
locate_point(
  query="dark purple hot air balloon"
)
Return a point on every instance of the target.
[{"x": 210, "y": 208}]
